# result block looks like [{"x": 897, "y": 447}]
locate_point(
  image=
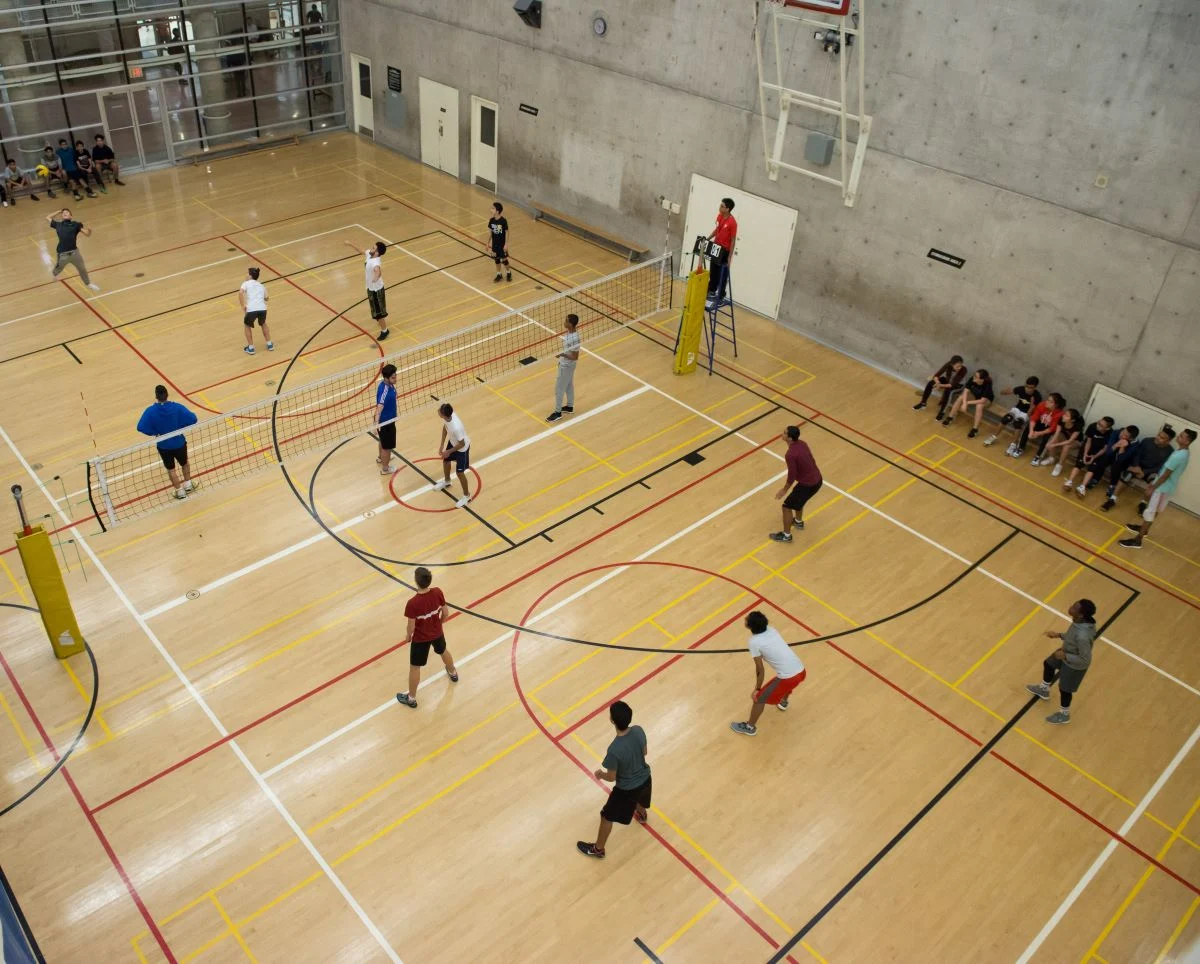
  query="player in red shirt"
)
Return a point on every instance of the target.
[
  {"x": 724, "y": 234},
  {"x": 426, "y": 612},
  {"x": 805, "y": 479}
]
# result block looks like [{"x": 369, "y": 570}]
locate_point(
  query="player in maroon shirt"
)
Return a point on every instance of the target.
[
  {"x": 426, "y": 612},
  {"x": 805, "y": 479}
]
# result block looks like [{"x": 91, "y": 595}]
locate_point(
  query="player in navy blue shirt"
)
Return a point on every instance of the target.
[
  {"x": 385, "y": 411},
  {"x": 161, "y": 420}
]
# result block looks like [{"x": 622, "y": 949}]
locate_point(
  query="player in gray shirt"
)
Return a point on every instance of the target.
[
  {"x": 625, "y": 766},
  {"x": 1070, "y": 661},
  {"x": 564, "y": 384}
]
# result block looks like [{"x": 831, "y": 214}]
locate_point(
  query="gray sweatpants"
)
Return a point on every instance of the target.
[
  {"x": 75, "y": 258},
  {"x": 564, "y": 384}
]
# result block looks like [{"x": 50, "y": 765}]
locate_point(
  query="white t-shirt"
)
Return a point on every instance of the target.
[
  {"x": 778, "y": 654},
  {"x": 372, "y": 264},
  {"x": 570, "y": 342},
  {"x": 455, "y": 433},
  {"x": 255, "y": 295}
]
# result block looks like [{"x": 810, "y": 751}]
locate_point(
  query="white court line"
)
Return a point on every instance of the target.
[
  {"x": 387, "y": 506},
  {"x": 1090, "y": 873},
  {"x": 176, "y": 274},
  {"x": 612, "y": 574},
  {"x": 849, "y": 495},
  {"x": 329, "y": 872}
]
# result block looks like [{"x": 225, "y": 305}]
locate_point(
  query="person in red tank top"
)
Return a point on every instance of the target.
[{"x": 426, "y": 612}]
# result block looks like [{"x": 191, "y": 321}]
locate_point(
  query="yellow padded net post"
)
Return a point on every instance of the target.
[
  {"x": 691, "y": 323},
  {"x": 46, "y": 583}
]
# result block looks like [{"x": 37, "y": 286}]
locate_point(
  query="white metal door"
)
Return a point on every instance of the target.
[
  {"x": 762, "y": 248},
  {"x": 364, "y": 103},
  {"x": 484, "y": 133},
  {"x": 439, "y": 126}
]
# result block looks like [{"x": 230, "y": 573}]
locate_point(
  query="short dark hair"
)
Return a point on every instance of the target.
[
  {"x": 445, "y": 409},
  {"x": 1190, "y": 433},
  {"x": 498, "y": 206},
  {"x": 424, "y": 577},
  {"x": 983, "y": 372},
  {"x": 1059, "y": 401},
  {"x": 79, "y": 143},
  {"x": 99, "y": 137},
  {"x": 1168, "y": 432},
  {"x": 1087, "y": 611},
  {"x": 956, "y": 359},
  {"x": 621, "y": 713},
  {"x": 62, "y": 140},
  {"x": 793, "y": 432},
  {"x": 254, "y": 273},
  {"x": 381, "y": 247},
  {"x": 387, "y": 371},
  {"x": 756, "y": 622},
  {"x": 1107, "y": 418},
  {"x": 728, "y": 202},
  {"x": 160, "y": 392},
  {"x": 1033, "y": 380},
  {"x": 1133, "y": 431},
  {"x": 572, "y": 319}
]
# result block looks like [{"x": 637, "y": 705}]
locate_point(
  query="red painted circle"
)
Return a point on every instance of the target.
[{"x": 417, "y": 508}]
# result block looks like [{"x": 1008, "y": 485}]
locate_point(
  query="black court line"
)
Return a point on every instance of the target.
[
  {"x": 22, "y": 919},
  {"x": 69, "y": 352},
  {"x": 815, "y": 421},
  {"x": 654, "y": 958},
  {"x": 921, "y": 814},
  {"x": 226, "y": 294}
]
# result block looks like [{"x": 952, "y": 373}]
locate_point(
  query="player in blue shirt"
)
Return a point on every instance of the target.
[
  {"x": 385, "y": 411},
  {"x": 163, "y": 420},
  {"x": 1159, "y": 492}
]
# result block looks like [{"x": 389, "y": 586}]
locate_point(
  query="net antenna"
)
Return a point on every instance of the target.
[{"x": 803, "y": 42}]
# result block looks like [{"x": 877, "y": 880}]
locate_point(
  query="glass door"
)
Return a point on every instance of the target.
[
  {"x": 135, "y": 118},
  {"x": 116, "y": 114}
]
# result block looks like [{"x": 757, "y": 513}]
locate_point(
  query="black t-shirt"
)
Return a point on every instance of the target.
[
  {"x": 1095, "y": 437},
  {"x": 102, "y": 152},
  {"x": 1026, "y": 399},
  {"x": 982, "y": 391},
  {"x": 499, "y": 229},
  {"x": 67, "y": 232},
  {"x": 83, "y": 160}
]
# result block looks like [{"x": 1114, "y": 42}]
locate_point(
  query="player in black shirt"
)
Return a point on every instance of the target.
[{"x": 498, "y": 239}]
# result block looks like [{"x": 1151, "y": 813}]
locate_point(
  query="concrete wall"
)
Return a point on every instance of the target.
[{"x": 992, "y": 124}]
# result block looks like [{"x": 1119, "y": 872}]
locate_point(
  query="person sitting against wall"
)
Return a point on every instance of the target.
[
  {"x": 1112, "y": 459},
  {"x": 1024, "y": 398},
  {"x": 11, "y": 181},
  {"x": 1062, "y": 442},
  {"x": 87, "y": 167},
  {"x": 948, "y": 380},
  {"x": 1096, "y": 439},
  {"x": 1148, "y": 457},
  {"x": 105, "y": 160},
  {"x": 1042, "y": 424},
  {"x": 976, "y": 396}
]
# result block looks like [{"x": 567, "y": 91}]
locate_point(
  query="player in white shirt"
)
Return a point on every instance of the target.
[
  {"x": 454, "y": 449},
  {"x": 376, "y": 293},
  {"x": 564, "y": 384},
  {"x": 253, "y": 297},
  {"x": 767, "y": 645}
]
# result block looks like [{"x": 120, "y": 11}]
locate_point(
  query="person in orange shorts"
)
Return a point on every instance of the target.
[{"x": 766, "y": 645}]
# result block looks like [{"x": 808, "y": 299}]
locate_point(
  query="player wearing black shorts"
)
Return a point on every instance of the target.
[
  {"x": 498, "y": 240},
  {"x": 426, "y": 612},
  {"x": 624, "y": 766},
  {"x": 162, "y": 421},
  {"x": 805, "y": 481},
  {"x": 385, "y": 417}
]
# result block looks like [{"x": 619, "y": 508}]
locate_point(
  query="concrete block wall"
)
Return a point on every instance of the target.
[{"x": 991, "y": 126}]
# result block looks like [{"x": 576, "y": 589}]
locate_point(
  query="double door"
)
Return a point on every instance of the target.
[{"x": 136, "y": 121}]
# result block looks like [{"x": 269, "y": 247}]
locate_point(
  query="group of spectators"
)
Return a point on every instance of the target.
[
  {"x": 1058, "y": 437},
  {"x": 72, "y": 168}
]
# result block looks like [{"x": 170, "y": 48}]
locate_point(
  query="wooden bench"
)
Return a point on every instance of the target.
[
  {"x": 234, "y": 149},
  {"x": 630, "y": 249}
]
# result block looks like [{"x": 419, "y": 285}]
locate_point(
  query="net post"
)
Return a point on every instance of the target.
[{"x": 104, "y": 496}]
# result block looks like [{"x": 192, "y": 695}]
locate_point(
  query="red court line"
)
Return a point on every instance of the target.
[
  {"x": 556, "y": 741},
  {"x": 88, "y": 813},
  {"x": 215, "y": 237},
  {"x": 282, "y": 361},
  {"x": 69, "y": 525},
  {"x": 354, "y": 669}
]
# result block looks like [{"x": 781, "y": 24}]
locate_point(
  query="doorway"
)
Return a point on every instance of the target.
[
  {"x": 484, "y": 129},
  {"x": 135, "y": 122},
  {"x": 364, "y": 105},
  {"x": 439, "y": 126}
]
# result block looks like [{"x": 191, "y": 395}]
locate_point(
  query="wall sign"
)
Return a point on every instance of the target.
[
  {"x": 528, "y": 109},
  {"x": 951, "y": 259},
  {"x": 394, "y": 79}
]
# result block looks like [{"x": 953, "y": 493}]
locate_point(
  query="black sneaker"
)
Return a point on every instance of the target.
[
  {"x": 781, "y": 536},
  {"x": 452, "y": 676},
  {"x": 498, "y": 277},
  {"x": 554, "y": 416},
  {"x": 799, "y": 523},
  {"x": 406, "y": 700},
  {"x": 589, "y": 849},
  {"x": 117, "y": 180},
  {"x": 974, "y": 431},
  {"x": 1107, "y": 504},
  {"x": 1135, "y": 543},
  {"x": 34, "y": 197},
  {"x": 918, "y": 406},
  {"x": 508, "y": 276},
  {"x": 50, "y": 193},
  {"x": 569, "y": 409},
  {"x": 947, "y": 420},
  {"x": 1133, "y": 526},
  {"x": 382, "y": 335},
  {"x": 91, "y": 194},
  {"x": 1141, "y": 507}
]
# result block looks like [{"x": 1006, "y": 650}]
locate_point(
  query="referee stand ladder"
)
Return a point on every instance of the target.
[{"x": 719, "y": 320}]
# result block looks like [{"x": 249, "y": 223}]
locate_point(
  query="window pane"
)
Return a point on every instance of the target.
[
  {"x": 364, "y": 80},
  {"x": 487, "y": 126}
]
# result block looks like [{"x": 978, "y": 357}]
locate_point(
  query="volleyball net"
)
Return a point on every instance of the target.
[{"x": 133, "y": 482}]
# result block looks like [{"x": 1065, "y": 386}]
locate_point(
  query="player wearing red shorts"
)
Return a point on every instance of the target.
[{"x": 766, "y": 644}]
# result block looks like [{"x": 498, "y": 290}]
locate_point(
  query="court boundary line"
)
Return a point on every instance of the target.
[{"x": 198, "y": 699}]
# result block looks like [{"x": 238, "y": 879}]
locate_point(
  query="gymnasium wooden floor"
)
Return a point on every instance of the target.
[{"x": 248, "y": 787}]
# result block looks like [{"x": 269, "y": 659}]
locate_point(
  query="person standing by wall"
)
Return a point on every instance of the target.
[
  {"x": 1159, "y": 492},
  {"x": 564, "y": 383}
]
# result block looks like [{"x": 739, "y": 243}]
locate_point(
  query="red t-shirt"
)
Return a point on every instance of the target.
[
  {"x": 801, "y": 466},
  {"x": 426, "y": 609},
  {"x": 1042, "y": 418},
  {"x": 726, "y": 232}
]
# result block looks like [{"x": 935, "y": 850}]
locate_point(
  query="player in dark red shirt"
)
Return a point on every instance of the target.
[
  {"x": 805, "y": 479},
  {"x": 426, "y": 612},
  {"x": 724, "y": 234}
]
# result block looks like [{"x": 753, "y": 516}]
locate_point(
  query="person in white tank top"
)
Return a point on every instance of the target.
[
  {"x": 376, "y": 292},
  {"x": 253, "y": 297}
]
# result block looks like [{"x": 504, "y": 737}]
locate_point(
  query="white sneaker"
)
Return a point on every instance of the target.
[
  {"x": 93, "y": 286},
  {"x": 388, "y": 469},
  {"x": 438, "y": 486},
  {"x": 180, "y": 494},
  {"x": 990, "y": 440},
  {"x": 1036, "y": 460},
  {"x": 1067, "y": 486},
  {"x": 463, "y": 501},
  {"x": 1011, "y": 451},
  {"x": 1080, "y": 491},
  {"x": 189, "y": 486},
  {"x": 1056, "y": 472}
]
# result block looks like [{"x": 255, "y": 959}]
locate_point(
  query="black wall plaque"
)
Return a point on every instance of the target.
[
  {"x": 951, "y": 259},
  {"x": 528, "y": 109}
]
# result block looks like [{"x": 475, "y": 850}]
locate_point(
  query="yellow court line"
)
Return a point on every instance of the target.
[
  {"x": 237, "y": 935},
  {"x": 87, "y": 698},
  {"x": 541, "y": 420},
  {"x": 137, "y": 947},
  {"x": 13, "y": 579},
  {"x": 1179, "y": 928},
  {"x": 25, "y": 741},
  {"x": 1033, "y": 612},
  {"x": 1176, "y": 833},
  {"x": 550, "y": 714},
  {"x": 213, "y": 210},
  {"x": 692, "y": 922},
  {"x": 294, "y": 889}
]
